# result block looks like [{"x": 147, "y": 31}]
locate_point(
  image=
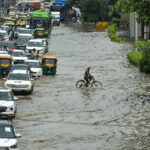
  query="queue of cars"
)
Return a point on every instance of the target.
[{"x": 19, "y": 71}]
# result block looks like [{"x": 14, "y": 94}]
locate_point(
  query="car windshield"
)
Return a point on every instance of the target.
[
  {"x": 23, "y": 40},
  {"x": 16, "y": 76},
  {"x": 18, "y": 54},
  {"x": 33, "y": 64},
  {"x": 35, "y": 44},
  {"x": 6, "y": 132},
  {"x": 5, "y": 96},
  {"x": 23, "y": 31},
  {"x": 19, "y": 68},
  {"x": 5, "y": 61}
]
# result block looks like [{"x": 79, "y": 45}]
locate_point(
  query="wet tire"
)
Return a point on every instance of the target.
[
  {"x": 96, "y": 84},
  {"x": 80, "y": 84}
]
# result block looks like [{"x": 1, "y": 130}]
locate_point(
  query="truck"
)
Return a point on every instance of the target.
[
  {"x": 55, "y": 18},
  {"x": 34, "y": 3}
]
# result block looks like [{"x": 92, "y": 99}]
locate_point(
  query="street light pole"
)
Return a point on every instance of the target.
[{"x": 136, "y": 28}]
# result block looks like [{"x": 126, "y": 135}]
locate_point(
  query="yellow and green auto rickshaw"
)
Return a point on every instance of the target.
[
  {"x": 39, "y": 32},
  {"x": 5, "y": 64},
  {"x": 49, "y": 64},
  {"x": 8, "y": 21},
  {"x": 20, "y": 23}
]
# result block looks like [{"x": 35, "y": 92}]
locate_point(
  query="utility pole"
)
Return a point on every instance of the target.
[{"x": 136, "y": 28}]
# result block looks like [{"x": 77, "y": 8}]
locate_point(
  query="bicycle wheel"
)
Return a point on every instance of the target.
[
  {"x": 96, "y": 84},
  {"x": 80, "y": 84}
]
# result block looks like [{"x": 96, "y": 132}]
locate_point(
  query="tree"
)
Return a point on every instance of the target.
[
  {"x": 91, "y": 10},
  {"x": 142, "y": 7}
]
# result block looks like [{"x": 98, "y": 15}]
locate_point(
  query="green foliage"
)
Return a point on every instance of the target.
[
  {"x": 142, "y": 7},
  {"x": 91, "y": 10},
  {"x": 135, "y": 57},
  {"x": 117, "y": 39},
  {"x": 145, "y": 64},
  {"x": 116, "y": 21},
  {"x": 112, "y": 33},
  {"x": 112, "y": 28},
  {"x": 144, "y": 47}
]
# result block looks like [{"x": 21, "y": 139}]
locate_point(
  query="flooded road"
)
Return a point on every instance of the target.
[{"x": 59, "y": 116}]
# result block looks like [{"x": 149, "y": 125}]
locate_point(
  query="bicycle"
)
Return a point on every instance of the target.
[{"x": 92, "y": 83}]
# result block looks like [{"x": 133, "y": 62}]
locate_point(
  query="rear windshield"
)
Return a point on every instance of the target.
[
  {"x": 5, "y": 96},
  {"x": 6, "y": 132}
]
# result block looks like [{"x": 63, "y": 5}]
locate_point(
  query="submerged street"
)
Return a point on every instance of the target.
[{"x": 59, "y": 116}]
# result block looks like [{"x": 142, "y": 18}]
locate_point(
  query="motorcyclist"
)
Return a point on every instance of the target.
[
  {"x": 87, "y": 76},
  {"x": 34, "y": 54},
  {"x": 5, "y": 48},
  {"x": 16, "y": 36}
]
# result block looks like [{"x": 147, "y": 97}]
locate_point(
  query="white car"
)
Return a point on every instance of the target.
[
  {"x": 8, "y": 105},
  {"x": 20, "y": 80},
  {"x": 37, "y": 44},
  {"x": 4, "y": 34},
  {"x": 45, "y": 43},
  {"x": 35, "y": 67},
  {"x": 8, "y": 137},
  {"x": 19, "y": 56}
]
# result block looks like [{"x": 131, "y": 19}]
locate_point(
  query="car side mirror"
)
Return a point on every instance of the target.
[
  {"x": 15, "y": 98},
  {"x": 4, "y": 78},
  {"x": 18, "y": 135}
]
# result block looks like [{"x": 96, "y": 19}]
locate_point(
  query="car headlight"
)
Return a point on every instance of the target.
[
  {"x": 11, "y": 108},
  {"x": 9, "y": 85}
]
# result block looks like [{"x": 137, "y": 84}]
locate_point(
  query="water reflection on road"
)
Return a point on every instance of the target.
[{"x": 59, "y": 116}]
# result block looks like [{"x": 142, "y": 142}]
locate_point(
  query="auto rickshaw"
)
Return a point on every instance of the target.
[
  {"x": 8, "y": 21},
  {"x": 5, "y": 64},
  {"x": 39, "y": 32},
  {"x": 21, "y": 23},
  {"x": 49, "y": 65}
]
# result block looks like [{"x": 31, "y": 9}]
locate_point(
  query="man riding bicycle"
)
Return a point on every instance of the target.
[{"x": 87, "y": 76}]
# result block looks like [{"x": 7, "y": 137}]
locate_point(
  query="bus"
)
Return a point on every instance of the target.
[
  {"x": 41, "y": 20},
  {"x": 58, "y": 7}
]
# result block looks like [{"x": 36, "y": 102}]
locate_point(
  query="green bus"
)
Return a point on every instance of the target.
[{"x": 41, "y": 20}]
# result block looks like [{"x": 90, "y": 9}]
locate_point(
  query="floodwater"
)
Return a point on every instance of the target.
[{"x": 59, "y": 116}]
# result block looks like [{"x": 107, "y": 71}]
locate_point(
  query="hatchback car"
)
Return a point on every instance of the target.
[
  {"x": 8, "y": 107},
  {"x": 19, "y": 56},
  {"x": 20, "y": 80},
  {"x": 4, "y": 34},
  {"x": 37, "y": 44},
  {"x": 8, "y": 136},
  {"x": 35, "y": 67},
  {"x": 22, "y": 41}
]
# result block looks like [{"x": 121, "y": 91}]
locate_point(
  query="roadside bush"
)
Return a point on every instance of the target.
[
  {"x": 144, "y": 48},
  {"x": 116, "y": 21},
  {"x": 135, "y": 58},
  {"x": 112, "y": 28},
  {"x": 112, "y": 33},
  {"x": 116, "y": 39}
]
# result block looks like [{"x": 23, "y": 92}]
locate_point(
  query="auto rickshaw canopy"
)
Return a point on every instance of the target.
[
  {"x": 5, "y": 56},
  {"x": 49, "y": 57},
  {"x": 39, "y": 29}
]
